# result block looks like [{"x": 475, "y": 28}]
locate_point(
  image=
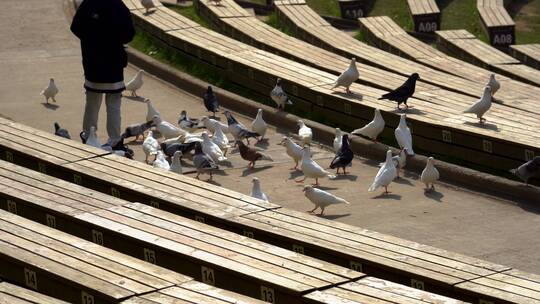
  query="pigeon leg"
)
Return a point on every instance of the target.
[
  {"x": 344, "y": 171},
  {"x": 386, "y": 190},
  {"x": 397, "y": 173},
  {"x": 322, "y": 211},
  {"x": 433, "y": 187},
  {"x": 300, "y": 181},
  {"x": 316, "y": 181},
  {"x": 295, "y": 166},
  {"x": 54, "y": 100},
  {"x": 210, "y": 179},
  {"x": 311, "y": 211},
  {"x": 47, "y": 100}
]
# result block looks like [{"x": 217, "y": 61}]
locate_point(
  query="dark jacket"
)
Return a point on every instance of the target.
[{"x": 103, "y": 26}]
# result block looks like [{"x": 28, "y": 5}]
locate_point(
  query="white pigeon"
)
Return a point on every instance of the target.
[
  {"x": 259, "y": 125},
  {"x": 150, "y": 110},
  {"x": 211, "y": 149},
  {"x": 167, "y": 129},
  {"x": 338, "y": 139},
  {"x": 147, "y": 4},
  {"x": 293, "y": 150},
  {"x": 372, "y": 129},
  {"x": 160, "y": 162},
  {"x": 136, "y": 82},
  {"x": 399, "y": 160},
  {"x": 482, "y": 105},
  {"x": 150, "y": 145},
  {"x": 305, "y": 133},
  {"x": 348, "y": 76},
  {"x": 50, "y": 91},
  {"x": 430, "y": 174},
  {"x": 493, "y": 84},
  {"x": 256, "y": 191},
  {"x": 210, "y": 125},
  {"x": 279, "y": 96},
  {"x": 92, "y": 139},
  {"x": 176, "y": 165},
  {"x": 403, "y": 135},
  {"x": 311, "y": 169},
  {"x": 322, "y": 199},
  {"x": 221, "y": 139},
  {"x": 386, "y": 174}
]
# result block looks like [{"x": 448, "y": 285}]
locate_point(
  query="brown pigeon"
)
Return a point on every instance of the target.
[{"x": 251, "y": 154}]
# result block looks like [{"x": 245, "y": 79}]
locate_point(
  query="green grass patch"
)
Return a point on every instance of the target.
[
  {"x": 461, "y": 14},
  {"x": 398, "y": 10},
  {"x": 325, "y": 7},
  {"x": 191, "y": 13},
  {"x": 528, "y": 23},
  {"x": 273, "y": 21}
]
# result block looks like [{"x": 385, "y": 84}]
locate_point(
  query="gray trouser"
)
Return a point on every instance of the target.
[{"x": 91, "y": 112}]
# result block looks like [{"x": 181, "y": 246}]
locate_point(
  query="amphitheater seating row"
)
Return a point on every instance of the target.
[
  {"x": 528, "y": 54},
  {"x": 497, "y": 23},
  {"x": 208, "y": 254},
  {"x": 435, "y": 69},
  {"x": 330, "y": 104},
  {"x": 372, "y": 253},
  {"x": 466, "y": 46}
]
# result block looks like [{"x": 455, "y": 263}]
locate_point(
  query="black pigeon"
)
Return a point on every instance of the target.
[
  {"x": 170, "y": 148},
  {"x": 61, "y": 131},
  {"x": 344, "y": 156},
  {"x": 120, "y": 146},
  {"x": 238, "y": 130},
  {"x": 210, "y": 101},
  {"x": 406, "y": 90},
  {"x": 528, "y": 169},
  {"x": 137, "y": 129},
  {"x": 187, "y": 123},
  {"x": 203, "y": 162}
]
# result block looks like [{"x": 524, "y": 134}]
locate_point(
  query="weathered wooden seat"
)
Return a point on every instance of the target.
[
  {"x": 68, "y": 268},
  {"x": 425, "y": 14},
  {"x": 497, "y": 22},
  {"x": 13, "y": 294},
  {"x": 467, "y": 47},
  {"x": 528, "y": 54},
  {"x": 120, "y": 225},
  {"x": 437, "y": 69}
]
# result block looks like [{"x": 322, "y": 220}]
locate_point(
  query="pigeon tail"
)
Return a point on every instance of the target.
[
  {"x": 331, "y": 176},
  {"x": 342, "y": 201}
]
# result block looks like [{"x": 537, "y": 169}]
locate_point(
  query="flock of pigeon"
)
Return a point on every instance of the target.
[{"x": 209, "y": 148}]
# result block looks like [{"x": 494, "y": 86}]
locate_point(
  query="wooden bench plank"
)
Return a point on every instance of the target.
[
  {"x": 14, "y": 294},
  {"x": 528, "y": 54},
  {"x": 61, "y": 269}
]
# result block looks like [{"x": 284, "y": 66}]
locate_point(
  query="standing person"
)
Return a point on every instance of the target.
[{"x": 103, "y": 26}]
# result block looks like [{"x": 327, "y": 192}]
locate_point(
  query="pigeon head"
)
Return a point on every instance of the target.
[
  {"x": 492, "y": 77},
  {"x": 255, "y": 180},
  {"x": 259, "y": 113},
  {"x": 92, "y": 130},
  {"x": 307, "y": 188},
  {"x": 183, "y": 115},
  {"x": 345, "y": 141},
  {"x": 389, "y": 157},
  {"x": 178, "y": 154},
  {"x": 415, "y": 76},
  {"x": 51, "y": 80},
  {"x": 209, "y": 90},
  {"x": 487, "y": 90},
  {"x": 278, "y": 81},
  {"x": 205, "y": 136},
  {"x": 230, "y": 119},
  {"x": 156, "y": 120},
  {"x": 430, "y": 161},
  {"x": 198, "y": 148},
  {"x": 139, "y": 73},
  {"x": 403, "y": 121},
  {"x": 284, "y": 139},
  {"x": 56, "y": 126},
  {"x": 301, "y": 123}
]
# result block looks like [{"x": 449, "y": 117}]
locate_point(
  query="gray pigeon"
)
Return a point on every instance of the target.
[
  {"x": 170, "y": 148},
  {"x": 238, "y": 130},
  {"x": 527, "y": 170},
  {"x": 137, "y": 130},
  {"x": 203, "y": 162},
  {"x": 61, "y": 131}
]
